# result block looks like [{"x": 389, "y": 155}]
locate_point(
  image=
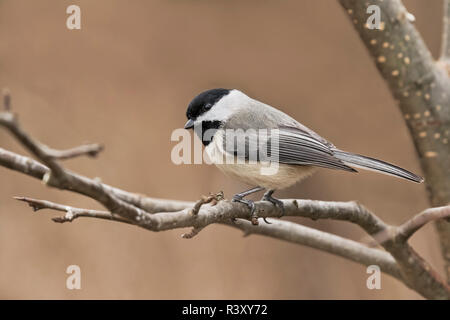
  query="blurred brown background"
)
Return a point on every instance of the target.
[{"x": 125, "y": 79}]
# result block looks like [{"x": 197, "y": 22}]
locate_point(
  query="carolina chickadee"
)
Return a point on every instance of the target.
[{"x": 299, "y": 149}]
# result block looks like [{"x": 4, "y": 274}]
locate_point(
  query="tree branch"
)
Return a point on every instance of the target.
[
  {"x": 421, "y": 88},
  {"x": 406, "y": 230},
  {"x": 71, "y": 212},
  {"x": 225, "y": 211},
  {"x": 37, "y": 170},
  {"x": 91, "y": 150},
  {"x": 323, "y": 241}
]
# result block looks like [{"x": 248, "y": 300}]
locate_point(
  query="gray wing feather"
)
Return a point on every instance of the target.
[
  {"x": 294, "y": 146},
  {"x": 297, "y": 144},
  {"x": 298, "y": 147}
]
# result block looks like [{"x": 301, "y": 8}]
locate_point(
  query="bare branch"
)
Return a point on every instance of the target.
[
  {"x": 403, "y": 232},
  {"x": 6, "y": 99},
  {"x": 323, "y": 241},
  {"x": 37, "y": 170},
  {"x": 91, "y": 150},
  {"x": 224, "y": 211},
  {"x": 71, "y": 212},
  {"x": 406, "y": 230},
  {"x": 22, "y": 164},
  {"x": 9, "y": 121}
]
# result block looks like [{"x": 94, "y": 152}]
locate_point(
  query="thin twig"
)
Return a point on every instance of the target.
[
  {"x": 6, "y": 99},
  {"x": 91, "y": 150},
  {"x": 72, "y": 213}
]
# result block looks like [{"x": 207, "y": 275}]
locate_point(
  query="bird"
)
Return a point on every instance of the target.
[{"x": 216, "y": 113}]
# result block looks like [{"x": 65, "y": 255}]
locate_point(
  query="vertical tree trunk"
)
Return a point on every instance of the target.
[{"x": 421, "y": 87}]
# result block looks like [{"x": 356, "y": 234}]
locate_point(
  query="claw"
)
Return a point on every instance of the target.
[
  {"x": 240, "y": 198},
  {"x": 251, "y": 205},
  {"x": 278, "y": 203}
]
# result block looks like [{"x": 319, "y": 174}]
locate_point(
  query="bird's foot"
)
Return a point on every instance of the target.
[
  {"x": 250, "y": 204},
  {"x": 278, "y": 203}
]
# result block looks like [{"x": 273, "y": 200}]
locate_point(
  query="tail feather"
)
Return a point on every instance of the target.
[{"x": 368, "y": 163}]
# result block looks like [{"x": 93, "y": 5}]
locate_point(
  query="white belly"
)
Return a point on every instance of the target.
[
  {"x": 251, "y": 173},
  {"x": 286, "y": 176}
]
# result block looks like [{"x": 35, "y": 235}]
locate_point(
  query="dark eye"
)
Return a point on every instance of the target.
[{"x": 208, "y": 106}]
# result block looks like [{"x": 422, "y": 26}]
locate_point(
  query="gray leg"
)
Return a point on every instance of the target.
[
  {"x": 239, "y": 197},
  {"x": 268, "y": 197}
]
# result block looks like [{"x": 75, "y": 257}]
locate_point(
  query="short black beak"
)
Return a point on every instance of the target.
[{"x": 189, "y": 124}]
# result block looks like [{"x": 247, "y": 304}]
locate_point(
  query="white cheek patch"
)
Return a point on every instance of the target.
[{"x": 225, "y": 107}]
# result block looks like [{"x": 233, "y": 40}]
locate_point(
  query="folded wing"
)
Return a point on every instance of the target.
[{"x": 288, "y": 145}]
